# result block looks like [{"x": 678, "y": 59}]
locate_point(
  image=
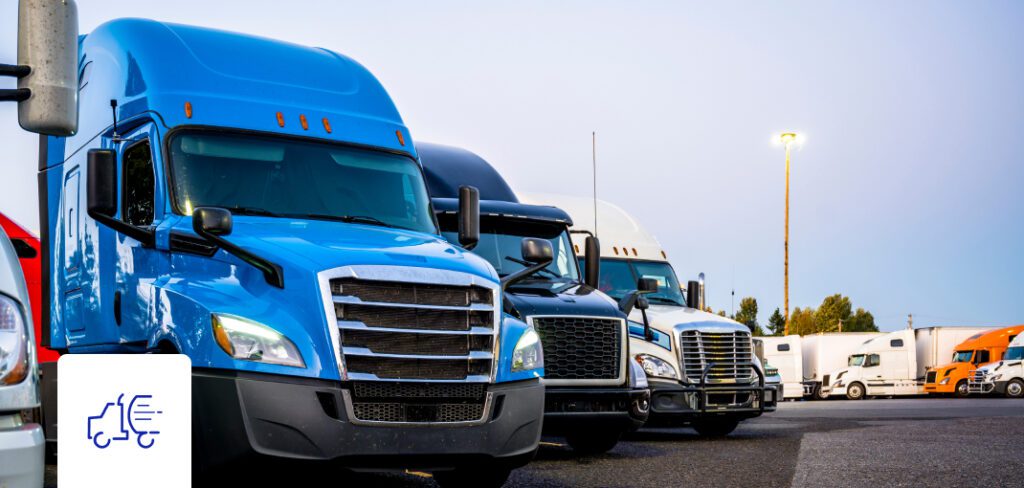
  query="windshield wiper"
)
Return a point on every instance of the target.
[
  {"x": 251, "y": 211},
  {"x": 350, "y": 219},
  {"x": 663, "y": 300},
  {"x": 525, "y": 263}
]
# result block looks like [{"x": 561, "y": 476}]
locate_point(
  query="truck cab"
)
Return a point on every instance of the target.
[
  {"x": 21, "y": 437},
  {"x": 980, "y": 349},
  {"x": 1005, "y": 377},
  {"x": 594, "y": 391},
  {"x": 258, "y": 206},
  {"x": 701, "y": 367}
]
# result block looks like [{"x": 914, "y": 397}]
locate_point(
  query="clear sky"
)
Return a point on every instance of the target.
[{"x": 906, "y": 196}]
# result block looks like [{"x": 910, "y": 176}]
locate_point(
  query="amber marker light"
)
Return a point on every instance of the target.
[
  {"x": 401, "y": 138},
  {"x": 188, "y": 110},
  {"x": 280, "y": 119},
  {"x": 327, "y": 125},
  {"x": 304, "y": 122}
]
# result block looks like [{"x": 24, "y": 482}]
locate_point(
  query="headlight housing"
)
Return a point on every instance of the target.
[
  {"x": 944, "y": 381},
  {"x": 771, "y": 371},
  {"x": 13, "y": 343},
  {"x": 995, "y": 377},
  {"x": 655, "y": 366},
  {"x": 637, "y": 378},
  {"x": 528, "y": 353},
  {"x": 252, "y": 341}
]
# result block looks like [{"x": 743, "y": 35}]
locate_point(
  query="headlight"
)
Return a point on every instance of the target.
[
  {"x": 654, "y": 366},
  {"x": 13, "y": 343},
  {"x": 528, "y": 353},
  {"x": 995, "y": 377},
  {"x": 771, "y": 371},
  {"x": 636, "y": 375},
  {"x": 944, "y": 381},
  {"x": 252, "y": 341}
]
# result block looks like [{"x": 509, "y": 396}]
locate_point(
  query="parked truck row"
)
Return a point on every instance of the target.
[{"x": 262, "y": 208}]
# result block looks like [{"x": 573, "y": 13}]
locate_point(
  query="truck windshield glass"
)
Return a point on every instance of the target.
[
  {"x": 857, "y": 360},
  {"x": 619, "y": 277},
  {"x": 277, "y": 177},
  {"x": 962, "y": 356},
  {"x": 501, "y": 245},
  {"x": 1014, "y": 353}
]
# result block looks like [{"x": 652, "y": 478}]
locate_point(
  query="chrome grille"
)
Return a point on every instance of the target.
[
  {"x": 581, "y": 348},
  {"x": 393, "y": 330},
  {"x": 729, "y": 353}
]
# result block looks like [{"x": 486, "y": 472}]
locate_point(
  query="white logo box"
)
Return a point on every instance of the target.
[{"x": 124, "y": 420}]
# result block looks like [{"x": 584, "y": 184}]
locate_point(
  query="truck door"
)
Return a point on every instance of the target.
[{"x": 73, "y": 298}]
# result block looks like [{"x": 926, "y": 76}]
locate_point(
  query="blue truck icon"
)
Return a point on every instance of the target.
[{"x": 110, "y": 425}]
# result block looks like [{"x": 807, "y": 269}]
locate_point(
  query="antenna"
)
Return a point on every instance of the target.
[{"x": 593, "y": 153}]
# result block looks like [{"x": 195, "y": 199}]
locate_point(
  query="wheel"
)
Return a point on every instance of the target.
[
  {"x": 855, "y": 391},
  {"x": 590, "y": 443},
  {"x": 818, "y": 394},
  {"x": 1015, "y": 389},
  {"x": 961, "y": 390},
  {"x": 716, "y": 427},
  {"x": 487, "y": 476}
]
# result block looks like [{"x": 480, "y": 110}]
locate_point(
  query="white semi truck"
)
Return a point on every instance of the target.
[
  {"x": 785, "y": 353},
  {"x": 701, "y": 368},
  {"x": 1005, "y": 377},
  {"x": 819, "y": 354},
  {"x": 21, "y": 438},
  {"x": 895, "y": 363}
]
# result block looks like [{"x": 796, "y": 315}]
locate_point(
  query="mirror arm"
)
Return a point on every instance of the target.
[
  {"x": 144, "y": 236},
  {"x": 648, "y": 333},
  {"x": 272, "y": 272},
  {"x": 15, "y": 70},
  {"x": 15, "y": 95},
  {"x": 513, "y": 278}
]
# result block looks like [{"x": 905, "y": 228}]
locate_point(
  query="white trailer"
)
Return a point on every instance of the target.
[
  {"x": 895, "y": 363},
  {"x": 824, "y": 353},
  {"x": 785, "y": 354}
]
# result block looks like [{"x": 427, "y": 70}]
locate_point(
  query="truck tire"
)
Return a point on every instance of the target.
[
  {"x": 855, "y": 391},
  {"x": 818, "y": 394},
  {"x": 1015, "y": 388},
  {"x": 961, "y": 390},
  {"x": 486, "y": 476},
  {"x": 716, "y": 427},
  {"x": 591, "y": 443}
]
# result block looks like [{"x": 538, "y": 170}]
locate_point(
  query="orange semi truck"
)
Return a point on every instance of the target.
[{"x": 979, "y": 349}]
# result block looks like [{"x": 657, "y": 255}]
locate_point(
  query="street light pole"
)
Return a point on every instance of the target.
[{"x": 788, "y": 139}]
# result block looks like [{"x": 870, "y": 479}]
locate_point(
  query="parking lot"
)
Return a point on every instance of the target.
[{"x": 885, "y": 442}]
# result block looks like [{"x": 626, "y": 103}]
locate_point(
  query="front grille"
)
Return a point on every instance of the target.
[
  {"x": 410, "y": 331},
  {"x": 580, "y": 348},
  {"x": 418, "y": 402},
  {"x": 728, "y": 353},
  {"x": 930, "y": 377}
]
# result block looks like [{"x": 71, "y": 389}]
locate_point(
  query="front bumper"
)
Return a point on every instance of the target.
[
  {"x": 568, "y": 409},
  {"x": 949, "y": 387},
  {"x": 675, "y": 403},
  {"x": 237, "y": 416},
  {"x": 21, "y": 456}
]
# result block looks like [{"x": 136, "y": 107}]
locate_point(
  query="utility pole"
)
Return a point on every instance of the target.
[
  {"x": 910, "y": 321},
  {"x": 788, "y": 139},
  {"x": 840, "y": 325}
]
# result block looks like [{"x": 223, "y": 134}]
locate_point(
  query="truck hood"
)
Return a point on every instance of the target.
[
  {"x": 948, "y": 369},
  {"x": 577, "y": 299},
  {"x": 319, "y": 245},
  {"x": 672, "y": 320}
]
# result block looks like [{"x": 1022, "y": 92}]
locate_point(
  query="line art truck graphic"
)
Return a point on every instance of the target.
[{"x": 117, "y": 423}]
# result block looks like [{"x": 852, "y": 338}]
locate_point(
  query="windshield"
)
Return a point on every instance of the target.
[
  {"x": 619, "y": 277},
  {"x": 267, "y": 175},
  {"x": 501, "y": 245},
  {"x": 1014, "y": 353},
  {"x": 857, "y": 360},
  {"x": 962, "y": 356}
]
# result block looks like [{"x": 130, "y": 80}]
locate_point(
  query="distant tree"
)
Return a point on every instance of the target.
[
  {"x": 747, "y": 315},
  {"x": 722, "y": 313},
  {"x": 833, "y": 309},
  {"x": 777, "y": 323},
  {"x": 861, "y": 321},
  {"x": 802, "y": 322}
]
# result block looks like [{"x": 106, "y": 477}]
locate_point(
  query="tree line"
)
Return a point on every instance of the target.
[{"x": 835, "y": 314}]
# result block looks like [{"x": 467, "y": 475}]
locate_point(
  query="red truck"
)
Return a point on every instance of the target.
[{"x": 27, "y": 246}]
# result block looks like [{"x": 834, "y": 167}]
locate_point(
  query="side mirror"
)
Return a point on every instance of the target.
[
  {"x": 537, "y": 251},
  {"x": 212, "y": 220},
  {"x": 592, "y": 261},
  {"x": 48, "y": 47},
  {"x": 469, "y": 216},
  {"x": 636, "y": 299},
  {"x": 693, "y": 294},
  {"x": 647, "y": 285},
  {"x": 101, "y": 184}
]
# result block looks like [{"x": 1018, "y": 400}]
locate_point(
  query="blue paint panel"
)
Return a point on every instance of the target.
[{"x": 661, "y": 339}]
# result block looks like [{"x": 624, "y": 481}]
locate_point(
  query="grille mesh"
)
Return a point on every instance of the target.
[
  {"x": 418, "y": 402},
  {"x": 407, "y": 369},
  {"x": 421, "y": 344},
  {"x": 578, "y": 348},
  {"x": 418, "y": 390},
  {"x": 398, "y": 412},
  {"x": 930, "y": 378},
  {"x": 730, "y": 353},
  {"x": 411, "y": 293},
  {"x": 413, "y": 318}
]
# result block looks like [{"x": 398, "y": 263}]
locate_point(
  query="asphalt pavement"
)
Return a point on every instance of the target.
[{"x": 884, "y": 442}]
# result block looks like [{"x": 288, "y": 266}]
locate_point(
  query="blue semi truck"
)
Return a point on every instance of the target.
[
  {"x": 258, "y": 206},
  {"x": 595, "y": 390}
]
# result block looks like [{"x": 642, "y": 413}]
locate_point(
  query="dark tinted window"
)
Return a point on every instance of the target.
[
  {"x": 896, "y": 343},
  {"x": 138, "y": 185},
  {"x": 873, "y": 360},
  {"x": 981, "y": 357},
  {"x": 24, "y": 249},
  {"x": 783, "y": 347},
  {"x": 616, "y": 278}
]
